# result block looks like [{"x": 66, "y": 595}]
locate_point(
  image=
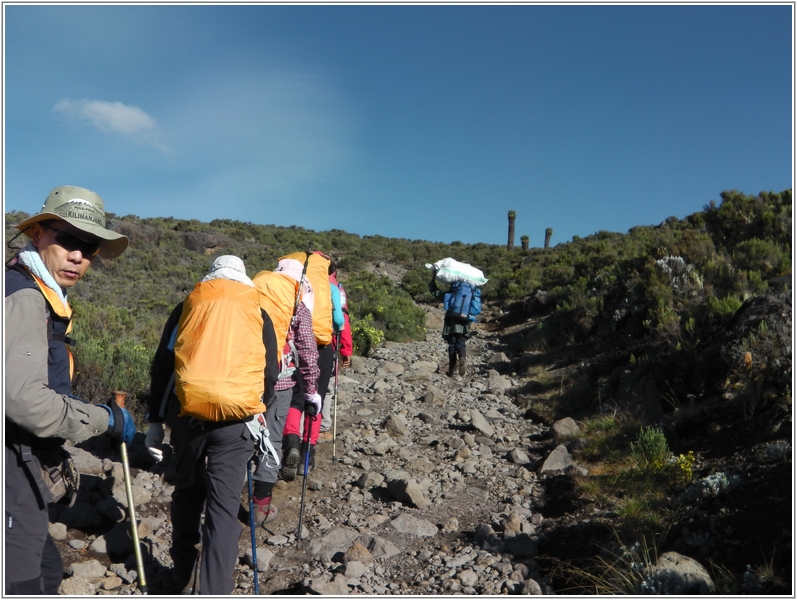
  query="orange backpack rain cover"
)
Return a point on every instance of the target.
[
  {"x": 318, "y": 274},
  {"x": 219, "y": 356}
]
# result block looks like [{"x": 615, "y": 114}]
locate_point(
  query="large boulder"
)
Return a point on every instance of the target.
[
  {"x": 207, "y": 242},
  {"x": 558, "y": 460},
  {"x": 405, "y": 523},
  {"x": 676, "y": 574},
  {"x": 565, "y": 429}
]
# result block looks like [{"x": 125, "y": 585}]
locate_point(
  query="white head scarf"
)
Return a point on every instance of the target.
[
  {"x": 293, "y": 269},
  {"x": 228, "y": 267}
]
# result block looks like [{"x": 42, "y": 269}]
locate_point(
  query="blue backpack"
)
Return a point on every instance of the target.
[{"x": 463, "y": 301}]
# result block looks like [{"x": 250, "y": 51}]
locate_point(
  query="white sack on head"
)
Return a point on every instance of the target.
[{"x": 450, "y": 271}]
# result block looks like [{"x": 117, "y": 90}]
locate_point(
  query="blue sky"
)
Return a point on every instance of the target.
[{"x": 412, "y": 121}]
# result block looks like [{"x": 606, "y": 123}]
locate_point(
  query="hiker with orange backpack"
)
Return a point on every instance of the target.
[
  {"x": 284, "y": 295},
  {"x": 218, "y": 357},
  {"x": 327, "y": 314}
]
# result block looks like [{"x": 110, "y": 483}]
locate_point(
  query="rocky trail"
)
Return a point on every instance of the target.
[{"x": 437, "y": 486}]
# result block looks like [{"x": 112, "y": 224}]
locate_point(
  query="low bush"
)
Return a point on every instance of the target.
[
  {"x": 390, "y": 308},
  {"x": 365, "y": 336},
  {"x": 650, "y": 451},
  {"x": 104, "y": 365}
]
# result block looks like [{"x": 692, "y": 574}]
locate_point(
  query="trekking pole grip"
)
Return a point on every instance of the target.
[{"x": 120, "y": 398}]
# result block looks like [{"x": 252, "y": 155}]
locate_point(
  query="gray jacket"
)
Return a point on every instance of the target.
[{"x": 29, "y": 402}]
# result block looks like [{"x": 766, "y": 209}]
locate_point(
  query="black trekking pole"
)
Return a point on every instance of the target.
[
  {"x": 308, "y": 419},
  {"x": 131, "y": 509},
  {"x": 252, "y": 522}
]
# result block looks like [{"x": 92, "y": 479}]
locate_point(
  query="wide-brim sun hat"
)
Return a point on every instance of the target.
[{"x": 85, "y": 211}]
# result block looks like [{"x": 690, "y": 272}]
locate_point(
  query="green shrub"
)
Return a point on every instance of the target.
[
  {"x": 665, "y": 321},
  {"x": 724, "y": 308},
  {"x": 765, "y": 256},
  {"x": 682, "y": 467},
  {"x": 696, "y": 247},
  {"x": 740, "y": 217},
  {"x": 365, "y": 337},
  {"x": 104, "y": 365},
  {"x": 658, "y": 290},
  {"x": 756, "y": 283},
  {"x": 351, "y": 261},
  {"x": 557, "y": 275},
  {"x": 416, "y": 283},
  {"x": 650, "y": 451},
  {"x": 391, "y": 308}
]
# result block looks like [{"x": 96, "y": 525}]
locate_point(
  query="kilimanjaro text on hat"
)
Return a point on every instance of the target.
[{"x": 78, "y": 208}]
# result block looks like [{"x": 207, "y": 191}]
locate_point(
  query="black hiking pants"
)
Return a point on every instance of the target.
[
  {"x": 456, "y": 346},
  {"x": 456, "y": 334},
  {"x": 33, "y": 565},
  {"x": 211, "y": 470}
]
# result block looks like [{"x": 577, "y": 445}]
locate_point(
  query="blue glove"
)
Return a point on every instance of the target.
[{"x": 121, "y": 426}]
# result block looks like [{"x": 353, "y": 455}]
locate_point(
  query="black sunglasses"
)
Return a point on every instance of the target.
[{"x": 70, "y": 242}]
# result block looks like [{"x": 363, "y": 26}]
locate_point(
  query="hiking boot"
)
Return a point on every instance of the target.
[
  {"x": 325, "y": 436},
  {"x": 452, "y": 363},
  {"x": 290, "y": 465},
  {"x": 462, "y": 366},
  {"x": 186, "y": 582},
  {"x": 290, "y": 457},
  {"x": 302, "y": 459},
  {"x": 265, "y": 512}
]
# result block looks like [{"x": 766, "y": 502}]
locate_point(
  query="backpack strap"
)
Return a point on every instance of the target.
[
  {"x": 167, "y": 392},
  {"x": 301, "y": 284},
  {"x": 51, "y": 334}
]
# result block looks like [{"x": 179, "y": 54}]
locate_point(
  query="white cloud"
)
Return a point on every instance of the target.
[{"x": 113, "y": 117}]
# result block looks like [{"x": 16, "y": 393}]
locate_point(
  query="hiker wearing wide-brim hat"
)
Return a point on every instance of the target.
[
  {"x": 40, "y": 410},
  {"x": 82, "y": 209}
]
